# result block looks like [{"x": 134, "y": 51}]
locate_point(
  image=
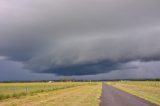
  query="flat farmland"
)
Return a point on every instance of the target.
[
  {"x": 50, "y": 94},
  {"x": 148, "y": 90},
  {"x": 114, "y": 93}
]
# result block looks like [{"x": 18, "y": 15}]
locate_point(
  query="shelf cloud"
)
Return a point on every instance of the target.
[{"x": 82, "y": 37}]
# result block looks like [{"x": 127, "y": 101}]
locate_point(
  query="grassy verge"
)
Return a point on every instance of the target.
[
  {"x": 149, "y": 90},
  {"x": 17, "y": 90},
  {"x": 87, "y": 95}
]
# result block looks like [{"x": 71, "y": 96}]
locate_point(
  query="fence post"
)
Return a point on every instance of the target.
[{"x": 26, "y": 90}]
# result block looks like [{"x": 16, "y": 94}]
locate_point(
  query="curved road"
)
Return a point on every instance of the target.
[{"x": 114, "y": 97}]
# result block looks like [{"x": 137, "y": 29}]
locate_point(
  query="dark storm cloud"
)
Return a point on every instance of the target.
[
  {"x": 84, "y": 37},
  {"x": 11, "y": 70},
  {"x": 84, "y": 69}
]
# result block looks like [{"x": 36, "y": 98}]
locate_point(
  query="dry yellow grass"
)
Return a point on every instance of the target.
[
  {"x": 12, "y": 90},
  {"x": 149, "y": 90},
  {"x": 87, "y": 95}
]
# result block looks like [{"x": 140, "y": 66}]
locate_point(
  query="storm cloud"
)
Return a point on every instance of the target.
[{"x": 82, "y": 37}]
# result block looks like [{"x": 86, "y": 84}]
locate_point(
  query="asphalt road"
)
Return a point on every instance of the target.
[{"x": 114, "y": 97}]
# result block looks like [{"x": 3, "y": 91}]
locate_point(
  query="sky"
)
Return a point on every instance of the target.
[{"x": 80, "y": 39}]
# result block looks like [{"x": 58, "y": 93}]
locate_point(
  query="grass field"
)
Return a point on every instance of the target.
[
  {"x": 149, "y": 90},
  {"x": 9, "y": 90},
  {"x": 71, "y": 93},
  {"x": 50, "y": 94}
]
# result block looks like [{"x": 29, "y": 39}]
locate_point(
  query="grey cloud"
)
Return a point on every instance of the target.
[
  {"x": 66, "y": 35},
  {"x": 131, "y": 70},
  {"x": 11, "y": 70}
]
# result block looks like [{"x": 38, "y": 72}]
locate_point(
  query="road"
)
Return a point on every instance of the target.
[{"x": 114, "y": 97}]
